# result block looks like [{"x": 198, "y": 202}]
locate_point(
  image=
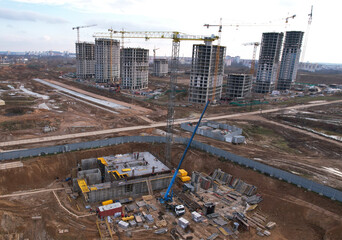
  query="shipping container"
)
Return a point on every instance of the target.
[{"x": 109, "y": 210}]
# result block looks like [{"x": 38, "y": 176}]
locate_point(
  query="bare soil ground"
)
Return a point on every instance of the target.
[
  {"x": 298, "y": 214},
  {"x": 287, "y": 148},
  {"x": 24, "y": 116}
]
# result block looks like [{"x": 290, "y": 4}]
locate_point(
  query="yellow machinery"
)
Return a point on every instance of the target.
[
  {"x": 183, "y": 175},
  {"x": 83, "y": 185},
  {"x": 127, "y": 218},
  {"x": 117, "y": 175},
  {"x": 103, "y": 161},
  {"x": 107, "y": 202}
]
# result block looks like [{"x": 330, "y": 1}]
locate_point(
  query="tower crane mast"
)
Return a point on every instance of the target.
[
  {"x": 176, "y": 38},
  {"x": 256, "y": 45},
  {"x": 306, "y": 35}
]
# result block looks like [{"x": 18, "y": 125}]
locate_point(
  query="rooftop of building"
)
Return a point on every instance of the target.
[{"x": 135, "y": 164}]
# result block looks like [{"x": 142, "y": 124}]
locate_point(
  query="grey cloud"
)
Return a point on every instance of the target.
[{"x": 29, "y": 16}]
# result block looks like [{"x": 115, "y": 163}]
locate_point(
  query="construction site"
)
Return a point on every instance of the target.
[{"x": 94, "y": 157}]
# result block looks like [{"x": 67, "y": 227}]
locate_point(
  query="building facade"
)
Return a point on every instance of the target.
[
  {"x": 107, "y": 60},
  {"x": 85, "y": 60},
  {"x": 202, "y": 76},
  {"x": 160, "y": 67},
  {"x": 268, "y": 62},
  {"x": 237, "y": 86},
  {"x": 290, "y": 60},
  {"x": 134, "y": 68}
]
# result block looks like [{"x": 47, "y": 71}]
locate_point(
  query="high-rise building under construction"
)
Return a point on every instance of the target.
[
  {"x": 107, "y": 56},
  {"x": 290, "y": 60},
  {"x": 203, "y": 70},
  {"x": 85, "y": 60},
  {"x": 237, "y": 86},
  {"x": 268, "y": 62},
  {"x": 134, "y": 68},
  {"x": 160, "y": 67}
]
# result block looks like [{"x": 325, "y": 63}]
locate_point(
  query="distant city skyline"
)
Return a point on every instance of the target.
[{"x": 42, "y": 25}]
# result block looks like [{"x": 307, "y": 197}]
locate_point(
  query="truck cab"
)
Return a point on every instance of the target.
[{"x": 179, "y": 210}]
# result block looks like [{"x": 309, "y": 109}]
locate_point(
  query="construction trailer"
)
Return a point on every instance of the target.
[
  {"x": 120, "y": 176},
  {"x": 109, "y": 210},
  {"x": 134, "y": 68},
  {"x": 268, "y": 62}
]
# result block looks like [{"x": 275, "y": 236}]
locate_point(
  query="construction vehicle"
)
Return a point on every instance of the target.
[
  {"x": 178, "y": 210},
  {"x": 168, "y": 194}
]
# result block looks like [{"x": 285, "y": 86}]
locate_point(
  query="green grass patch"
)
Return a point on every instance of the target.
[{"x": 259, "y": 130}]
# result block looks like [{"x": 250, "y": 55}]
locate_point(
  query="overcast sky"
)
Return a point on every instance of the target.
[{"x": 40, "y": 25}]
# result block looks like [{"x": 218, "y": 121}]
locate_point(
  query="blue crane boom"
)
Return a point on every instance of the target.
[{"x": 168, "y": 197}]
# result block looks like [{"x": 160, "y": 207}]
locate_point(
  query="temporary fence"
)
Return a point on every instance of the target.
[{"x": 257, "y": 166}]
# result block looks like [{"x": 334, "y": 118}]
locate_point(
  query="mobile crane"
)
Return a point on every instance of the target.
[{"x": 168, "y": 194}]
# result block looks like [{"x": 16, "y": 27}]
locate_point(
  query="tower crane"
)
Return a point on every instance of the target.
[
  {"x": 306, "y": 35},
  {"x": 154, "y": 53},
  {"x": 78, "y": 30},
  {"x": 154, "y": 60},
  {"x": 176, "y": 38},
  {"x": 256, "y": 45},
  {"x": 217, "y": 58}
]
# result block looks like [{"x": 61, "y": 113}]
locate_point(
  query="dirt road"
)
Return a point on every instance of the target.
[
  {"x": 138, "y": 109},
  {"x": 311, "y": 134},
  {"x": 154, "y": 125},
  {"x": 30, "y": 192}
]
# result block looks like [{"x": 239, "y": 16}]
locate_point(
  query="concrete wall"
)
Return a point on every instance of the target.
[{"x": 131, "y": 188}]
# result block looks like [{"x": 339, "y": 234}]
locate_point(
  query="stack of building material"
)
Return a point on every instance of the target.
[
  {"x": 238, "y": 139},
  {"x": 219, "y": 221},
  {"x": 196, "y": 216},
  {"x": 270, "y": 225},
  {"x": 149, "y": 218},
  {"x": 139, "y": 220},
  {"x": 123, "y": 224},
  {"x": 183, "y": 223},
  {"x": 236, "y": 183},
  {"x": 205, "y": 182},
  {"x": 133, "y": 223},
  {"x": 255, "y": 199}
]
